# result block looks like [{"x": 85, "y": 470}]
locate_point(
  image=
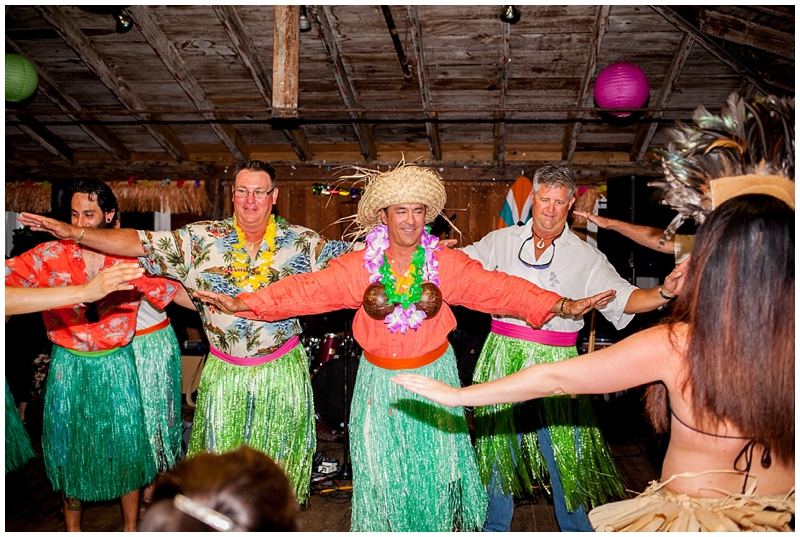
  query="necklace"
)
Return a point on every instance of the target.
[
  {"x": 253, "y": 272},
  {"x": 406, "y": 293},
  {"x": 540, "y": 243}
]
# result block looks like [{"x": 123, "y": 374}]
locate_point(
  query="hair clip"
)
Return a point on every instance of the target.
[{"x": 204, "y": 514}]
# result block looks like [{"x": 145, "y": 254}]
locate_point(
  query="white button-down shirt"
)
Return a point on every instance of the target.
[{"x": 578, "y": 270}]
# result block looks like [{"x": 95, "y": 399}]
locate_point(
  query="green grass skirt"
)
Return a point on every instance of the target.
[
  {"x": 268, "y": 407},
  {"x": 94, "y": 442},
  {"x": 18, "y": 444},
  {"x": 158, "y": 363},
  {"x": 587, "y": 469},
  {"x": 413, "y": 463}
]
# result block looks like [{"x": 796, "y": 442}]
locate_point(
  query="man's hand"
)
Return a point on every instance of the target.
[
  {"x": 57, "y": 228},
  {"x": 600, "y": 221},
  {"x": 434, "y": 390},
  {"x": 576, "y": 308},
  {"x": 112, "y": 279},
  {"x": 448, "y": 243},
  {"x": 673, "y": 283},
  {"x": 225, "y": 303}
]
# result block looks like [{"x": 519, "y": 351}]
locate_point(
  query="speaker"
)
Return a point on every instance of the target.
[{"x": 61, "y": 200}]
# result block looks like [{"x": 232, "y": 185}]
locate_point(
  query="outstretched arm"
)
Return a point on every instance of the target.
[
  {"x": 122, "y": 242},
  {"x": 645, "y": 235},
  {"x": 225, "y": 303},
  {"x": 21, "y": 300},
  {"x": 643, "y": 300},
  {"x": 647, "y": 356}
]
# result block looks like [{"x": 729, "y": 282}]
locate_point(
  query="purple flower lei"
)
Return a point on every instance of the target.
[{"x": 377, "y": 240}]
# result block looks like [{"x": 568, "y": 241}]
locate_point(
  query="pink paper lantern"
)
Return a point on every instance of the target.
[{"x": 621, "y": 85}]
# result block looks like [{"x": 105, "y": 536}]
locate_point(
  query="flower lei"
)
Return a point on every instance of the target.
[
  {"x": 255, "y": 274},
  {"x": 424, "y": 267}
]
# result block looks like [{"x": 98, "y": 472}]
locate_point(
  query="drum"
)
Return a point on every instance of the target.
[
  {"x": 329, "y": 397},
  {"x": 328, "y": 351}
]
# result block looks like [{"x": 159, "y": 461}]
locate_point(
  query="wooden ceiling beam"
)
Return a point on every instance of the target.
[
  {"x": 244, "y": 46},
  {"x": 689, "y": 28},
  {"x": 745, "y": 32},
  {"x": 500, "y": 124},
  {"x": 39, "y": 134},
  {"x": 362, "y": 130},
  {"x": 76, "y": 39},
  {"x": 87, "y": 122},
  {"x": 432, "y": 128},
  {"x": 286, "y": 61},
  {"x": 174, "y": 63},
  {"x": 647, "y": 129},
  {"x": 573, "y": 126},
  {"x": 785, "y": 12}
]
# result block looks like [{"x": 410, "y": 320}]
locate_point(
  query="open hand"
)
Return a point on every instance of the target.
[
  {"x": 673, "y": 283},
  {"x": 114, "y": 278},
  {"x": 576, "y": 308},
  {"x": 225, "y": 303},
  {"x": 57, "y": 228},
  {"x": 601, "y": 221},
  {"x": 434, "y": 390}
]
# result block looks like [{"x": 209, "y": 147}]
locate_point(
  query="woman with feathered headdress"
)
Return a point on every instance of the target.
[{"x": 721, "y": 367}]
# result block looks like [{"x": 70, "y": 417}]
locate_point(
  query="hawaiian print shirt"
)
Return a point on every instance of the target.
[
  {"x": 60, "y": 263},
  {"x": 199, "y": 255}
]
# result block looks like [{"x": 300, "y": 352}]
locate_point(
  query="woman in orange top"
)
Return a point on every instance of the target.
[{"x": 413, "y": 465}]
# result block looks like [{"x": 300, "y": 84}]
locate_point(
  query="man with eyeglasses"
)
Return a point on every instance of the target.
[
  {"x": 255, "y": 387},
  {"x": 556, "y": 436}
]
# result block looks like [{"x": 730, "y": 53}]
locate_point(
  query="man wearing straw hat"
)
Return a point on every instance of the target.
[
  {"x": 556, "y": 437},
  {"x": 94, "y": 442},
  {"x": 255, "y": 387},
  {"x": 413, "y": 465}
]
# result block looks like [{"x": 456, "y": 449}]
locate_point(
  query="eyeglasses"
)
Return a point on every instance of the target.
[
  {"x": 535, "y": 265},
  {"x": 259, "y": 194}
]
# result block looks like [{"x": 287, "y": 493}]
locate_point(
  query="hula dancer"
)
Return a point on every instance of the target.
[
  {"x": 18, "y": 444},
  {"x": 413, "y": 465},
  {"x": 562, "y": 444},
  {"x": 93, "y": 442},
  {"x": 255, "y": 387}
]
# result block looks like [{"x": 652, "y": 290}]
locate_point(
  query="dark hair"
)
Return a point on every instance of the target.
[
  {"x": 256, "y": 166},
  {"x": 244, "y": 485},
  {"x": 98, "y": 191},
  {"x": 738, "y": 303}
]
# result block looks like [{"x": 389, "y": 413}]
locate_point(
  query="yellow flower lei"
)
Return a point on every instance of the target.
[{"x": 244, "y": 272}]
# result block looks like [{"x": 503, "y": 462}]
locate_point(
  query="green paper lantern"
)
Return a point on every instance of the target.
[{"x": 21, "y": 78}]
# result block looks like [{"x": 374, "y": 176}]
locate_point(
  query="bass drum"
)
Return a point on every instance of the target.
[{"x": 328, "y": 388}]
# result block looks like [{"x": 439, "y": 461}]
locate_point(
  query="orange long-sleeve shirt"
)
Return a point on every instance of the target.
[{"x": 341, "y": 285}]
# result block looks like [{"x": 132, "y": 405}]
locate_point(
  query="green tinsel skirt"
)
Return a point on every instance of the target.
[
  {"x": 413, "y": 463},
  {"x": 268, "y": 407},
  {"x": 158, "y": 363},
  {"x": 18, "y": 443},
  {"x": 586, "y": 467},
  {"x": 94, "y": 442}
]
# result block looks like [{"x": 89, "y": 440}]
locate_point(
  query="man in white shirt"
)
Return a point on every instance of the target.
[{"x": 512, "y": 452}]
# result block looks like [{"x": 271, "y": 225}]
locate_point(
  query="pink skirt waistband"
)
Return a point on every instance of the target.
[
  {"x": 290, "y": 344},
  {"x": 545, "y": 337}
]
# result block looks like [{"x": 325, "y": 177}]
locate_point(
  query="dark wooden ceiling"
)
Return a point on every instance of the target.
[{"x": 189, "y": 89}]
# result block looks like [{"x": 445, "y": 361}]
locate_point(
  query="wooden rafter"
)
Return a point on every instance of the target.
[
  {"x": 747, "y": 91},
  {"x": 432, "y": 127},
  {"x": 680, "y": 22},
  {"x": 362, "y": 130},
  {"x": 286, "y": 61},
  {"x": 183, "y": 76},
  {"x": 745, "y": 32},
  {"x": 500, "y": 125},
  {"x": 573, "y": 127},
  {"x": 244, "y": 46},
  {"x": 648, "y": 128},
  {"x": 39, "y": 134},
  {"x": 73, "y": 36},
  {"x": 87, "y": 122}
]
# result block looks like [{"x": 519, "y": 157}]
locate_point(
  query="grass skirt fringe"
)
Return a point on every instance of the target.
[
  {"x": 94, "y": 441},
  {"x": 158, "y": 363},
  {"x": 587, "y": 470},
  {"x": 268, "y": 407},
  {"x": 413, "y": 463},
  {"x": 660, "y": 509},
  {"x": 18, "y": 444}
]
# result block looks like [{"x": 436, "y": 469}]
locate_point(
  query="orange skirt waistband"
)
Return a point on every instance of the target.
[
  {"x": 154, "y": 328},
  {"x": 406, "y": 363}
]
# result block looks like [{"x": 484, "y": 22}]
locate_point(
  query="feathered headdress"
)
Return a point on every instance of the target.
[{"x": 747, "y": 149}]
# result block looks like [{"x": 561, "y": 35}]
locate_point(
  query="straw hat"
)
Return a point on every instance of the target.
[{"x": 404, "y": 184}]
